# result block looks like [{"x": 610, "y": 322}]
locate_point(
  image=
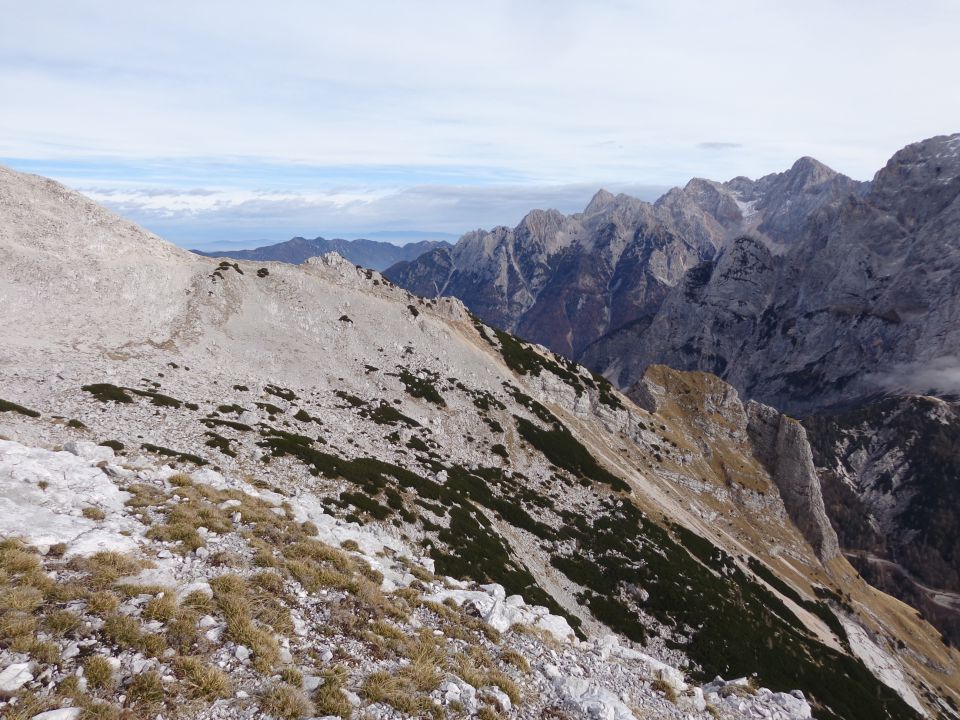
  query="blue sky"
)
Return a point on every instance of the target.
[{"x": 219, "y": 123}]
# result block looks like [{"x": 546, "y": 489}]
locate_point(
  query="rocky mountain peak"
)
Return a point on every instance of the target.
[
  {"x": 702, "y": 186},
  {"x": 540, "y": 223},
  {"x": 42, "y": 214},
  {"x": 808, "y": 171},
  {"x": 920, "y": 180},
  {"x": 786, "y": 201},
  {"x": 599, "y": 201},
  {"x": 939, "y": 156}
]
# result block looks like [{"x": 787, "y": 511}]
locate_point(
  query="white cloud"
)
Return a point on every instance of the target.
[
  {"x": 206, "y": 219},
  {"x": 538, "y": 94},
  {"x": 939, "y": 376},
  {"x": 536, "y": 86}
]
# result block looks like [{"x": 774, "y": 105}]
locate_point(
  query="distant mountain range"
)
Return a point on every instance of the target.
[
  {"x": 567, "y": 281},
  {"x": 806, "y": 290},
  {"x": 374, "y": 254}
]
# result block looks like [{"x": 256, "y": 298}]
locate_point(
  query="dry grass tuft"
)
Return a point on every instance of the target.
[
  {"x": 287, "y": 702},
  {"x": 395, "y": 691},
  {"x": 123, "y": 631},
  {"x": 22, "y": 598},
  {"x": 94, "y": 513},
  {"x": 329, "y": 698},
  {"x": 99, "y": 710},
  {"x": 488, "y": 713},
  {"x": 666, "y": 688},
  {"x": 16, "y": 559},
  {"x": 103, "y": 603},
  {"x": 162, "y": 607},
  {"x": 28, "y": 705},
  {"x": 61, "y": 622},
  {"x": 106, "y": 567},
  {"x": 15, "y": 626},
  {"x": 45, "y": 652},
  {"x": 180, "y": 480},
  {"x": 199, "y": 601},
  {"x": 182, "y": 633},
  {"x": 145, "y": 692},
  {"x": 202, "y": 680},
  {"x": 426, "y": 659},
  {"x": 233, "y": 598},
  {"x": 514, "y": 658},
  {"x": 477, "y": 669},
  {"x": 292, "y": 676},
  {"x": 98, "y": 672}
]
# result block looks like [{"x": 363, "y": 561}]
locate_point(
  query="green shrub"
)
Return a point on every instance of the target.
[
  {"x": 7, "y": 406},
  {"x": 105, "y": 392},
  {"x": 565, "y": 451}
]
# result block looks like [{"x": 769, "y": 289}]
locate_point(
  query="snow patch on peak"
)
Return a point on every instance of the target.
[{"x": 748, "y": 210}]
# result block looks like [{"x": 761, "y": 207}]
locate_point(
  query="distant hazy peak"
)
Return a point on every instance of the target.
[
  {"x": 811, "y": 170},
  {"x": 599, "y": 201},
  {"x": 374, "y": 254}
]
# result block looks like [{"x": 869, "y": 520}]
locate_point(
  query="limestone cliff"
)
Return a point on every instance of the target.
[{"x": 780, "y": 443}]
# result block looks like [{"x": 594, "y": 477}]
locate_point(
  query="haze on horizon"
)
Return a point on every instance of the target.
[{"x": 217, "y": 124}]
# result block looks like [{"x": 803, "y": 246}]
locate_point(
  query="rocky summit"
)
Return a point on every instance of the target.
[{"x": 234, "y": 489}]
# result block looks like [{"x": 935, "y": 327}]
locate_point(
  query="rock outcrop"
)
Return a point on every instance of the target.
[
  {"x": 890, "y": 473},
  {"x": 780, "y": 443},
  {"x": 729, "y": 429}
]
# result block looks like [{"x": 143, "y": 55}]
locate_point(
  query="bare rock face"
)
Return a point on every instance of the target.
[
  {"x": 806, "y": 290},
  {"x": 863, "y": 301},
  {"x": 890, "y": 473},
  {"x": 776, "y": 441},
  {"x": 697, "y": 394},
  {"x": 780, "y": 443},
  {"x": 567, "y": 280}
]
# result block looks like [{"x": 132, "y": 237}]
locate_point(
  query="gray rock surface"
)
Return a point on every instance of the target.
[
  {"x": 865, "y": 300},
  {"x": 890, "y": 473},
  {"x": 565, "y": 281},
  {"x": 780, "y": 443}
]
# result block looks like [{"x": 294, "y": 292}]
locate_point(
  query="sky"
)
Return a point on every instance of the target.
[{"x": 224, "y": 124}]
